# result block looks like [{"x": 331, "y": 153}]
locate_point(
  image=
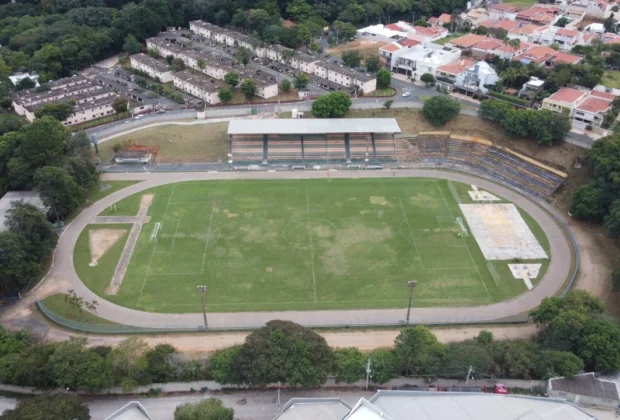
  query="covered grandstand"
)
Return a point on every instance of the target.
[{"x": 335, "y": 141}]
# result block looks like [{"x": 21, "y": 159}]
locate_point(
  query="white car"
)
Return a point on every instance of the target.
[
  {"x": 138, "y": 117},
  {"x": 406, "y": 94}
]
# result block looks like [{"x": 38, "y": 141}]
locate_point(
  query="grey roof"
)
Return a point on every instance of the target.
[
  {"x": 402, "y": 405},
  {"x": 586, "y": 384},
  {"x": 314, "y": 126},
  {"x": 158, "y": 66},
  {"x": 30, "y": 197},
  {"x": 132, "y": 411},
  {"x": 314, "y": 409}
]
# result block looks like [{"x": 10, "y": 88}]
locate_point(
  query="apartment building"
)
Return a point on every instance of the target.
[
  {"x": 221, "y": 35},
  {"x": 345, "y": 77},
  {"x": 154, "y": 68},
  {"x": 91, "y": 99},
  {"x": 196, "y": 85}
]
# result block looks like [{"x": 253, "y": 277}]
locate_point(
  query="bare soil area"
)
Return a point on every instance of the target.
[
  {"x": 100, "y": 240},
  {"x": 365, "y": 47}
]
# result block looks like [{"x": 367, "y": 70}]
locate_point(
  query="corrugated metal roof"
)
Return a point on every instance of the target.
[
  {"x": 314, "y": 409},
  {"x": 314, "y": 126}
]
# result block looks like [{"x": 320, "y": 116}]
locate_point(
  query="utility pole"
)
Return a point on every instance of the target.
[
  {"x": 203, "y": 291},
  {"x": 471, "y": 368},
  {"x": 279, "y": 383},
  {"x": 411, "y": 284},
  {"x": 367, "y": 372}
]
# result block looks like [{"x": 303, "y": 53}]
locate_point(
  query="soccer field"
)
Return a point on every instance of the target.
[{"x": 305, "y": 245}]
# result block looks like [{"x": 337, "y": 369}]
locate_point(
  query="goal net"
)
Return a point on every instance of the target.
[
  {"x": 463, "y": 233},
  {"x": 155, "y": 232}
]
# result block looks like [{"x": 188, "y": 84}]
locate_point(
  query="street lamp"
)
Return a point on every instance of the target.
[
  {"x": 203, "y": 291},
  {"x": 411, "y": 284}
]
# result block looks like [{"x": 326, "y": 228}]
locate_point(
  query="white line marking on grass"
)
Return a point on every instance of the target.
[
  {"x": 174, "y": 238},
  {"x": 204, "y": 256},
  {"x": 148, "y": 268},
  {"x": 411, "y": 233},
  {"x": 311, "y": 246},
  {"x": 466, "y": 246}
]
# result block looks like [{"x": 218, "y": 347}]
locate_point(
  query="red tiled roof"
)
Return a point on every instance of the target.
[
  {"x": 468, "y": 41},
  {"x": 541, "y": 52},
  {"x": 489, "y": 44},
  {"x": 390, "y": 47},
  {"x": 458, "y": 66},
  {"x": 429, "y": 32},
  {"x": 566, "y": 32},
  {"x": 288, "y": 23},
  {"x": 445, "y": 18},
  {"x": 594, "y": 105},
  {"x": 394, "y": 27},
  {"x": 433, "y": 20},
  {"x": 408, "y": 42},
  {"x": 567, "y": 95},
  {"x": 566, "y": 58},
  {"x": 504, "y": 7},
  {"x": 605, "y": 95},
  {"x": 525, "y": 29},
  {"x": 505, "y": 24}
]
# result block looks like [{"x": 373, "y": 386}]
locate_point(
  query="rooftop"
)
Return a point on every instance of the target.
[
  {"x": 594, "y": 105},
  {"x": 196, "y": 80},
  {"x": 314, "y": 409},
  {"x": 151, "y": 62},
  {"x": 605, "y": 95},
  {"x": 29, "y": 197},
  {"x": 505, "y": 24},
  {"x": 525, "y": 29},
  {"x": 132, "y": 411},
  {"x": 314, "y": 126},
  {"x": 458, "y": 66},
  {"x": 567, "y": 95},
  {"x": 505, "y": 7},
  {"x": 468, "y": 41},
  {"x": 346, "y": 71},
  {"x": 408, "y": 42},
  {"x": 586, "y": 384},
  {"x": 394, "y": 46}
]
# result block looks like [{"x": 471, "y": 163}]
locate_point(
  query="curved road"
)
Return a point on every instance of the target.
[{"x": 64, "y": 272}]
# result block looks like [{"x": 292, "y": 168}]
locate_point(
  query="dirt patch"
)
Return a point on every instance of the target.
[
  {"x": 101, "y": 240},
  {"x": 380, "y": 201},
  {"x": 365, "y": 47},
  {"x": 146, "y": 200},
  {"x": 147, "y": 219}
]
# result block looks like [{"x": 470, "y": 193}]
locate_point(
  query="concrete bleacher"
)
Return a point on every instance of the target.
[{"x": 497, "y": 161}]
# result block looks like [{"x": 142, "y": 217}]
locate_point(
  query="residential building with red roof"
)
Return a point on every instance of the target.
[
  {"x": 505, "y": 24},
  {"x": 385, "y": 52},
  {"x": 503, "y": 11},
  {"x": 409, "y": 42},
  {"x": 447, "y": 74},
  {"x": 539, "y": 14},
  {"x": 468, "y": 41},
  {"x": 564, "y": 37},
  {"x": 564, "y": 100},
  {"x": 444, "y": 19},
  {"x": 586, "y": 108},
  {"x": 523, "y": 32},
  {"x": 475, "y": 16},
  {"x": 546, "y": 56}
]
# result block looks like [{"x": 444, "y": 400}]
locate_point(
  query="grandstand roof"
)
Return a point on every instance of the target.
[{"x": 314, "y": 126}]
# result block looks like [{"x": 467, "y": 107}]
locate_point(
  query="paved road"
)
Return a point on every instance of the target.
[{"x": 63, "y": 270}]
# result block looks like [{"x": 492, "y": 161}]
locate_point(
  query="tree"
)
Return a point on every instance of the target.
[
  {"x": 384, "y": 78},
  {"x": 388, "y": 104},
  {"x": 248, "y": 88},
  {"x": 350, "y": 365},
  {"x": 418, "y": 350},
  {"x": 561, "y": 22},
  {"x": 332, "y": 105},
  {"x": 49, "y": 406},
  {"x": 494, "y": 110},
  {"x": 578, "y": 301},
  {"x": 132, "y": 45},
  {"x": 243, "y": 55},
  {"x": 458, "y": 357},
  {"x": 351, "y": 58},
  {"x": 25, "y": 83},
  {"x": 221, "y": 365},
  {"x": 440, "y": 109},
  {"x": 612, "y": 220},
  {"x": 119, "y": 104},
  {"x": 384, "y": 365},
  {"x": 209, "y": 409},
  {"x": 232, "y": 79},
  {"x": 59, "y": 110},
  {"x": 31, "y": 224},
  {"x": 286, "y": 85},
  {"x": 373, "y": 63},
  {"x": 344, "y": 30},
  {"x": 17, "y": 267},
  {"x": 301, "y": 81},
  {"x": 428, "y": 79},
  {"x": 58, "y": 191},
  {"x": 128, "y": 365},
  {"x": 75, "y": 367},
  {"x": 225, "y": 95},
  {"x": 202, "y": 64},
  {"x": 553, "y": 363},
  {"x": 178, "y": 64},
  {"x": 283, "y": 351},
  {"x": 588, "y": 203},
  {"x": 160, "y": 367}
]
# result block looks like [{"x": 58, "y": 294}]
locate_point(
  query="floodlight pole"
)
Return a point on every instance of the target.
[
  {"x": 411, "y": 284},
  {"x": 203, "y": 291}
]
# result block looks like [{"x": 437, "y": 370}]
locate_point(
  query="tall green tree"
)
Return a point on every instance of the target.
[
  {"x": 209, "y": 409},
  {"x": 248, "y": 88},
  {"x": 373, "y": 63},
  {"x": 31, "y": 224},
  {"x": 384, "y": 365},
  {"x": 332, "y": 105},
  {"x": 49, "y": 406},
  {"x": 221, "y": 365},
  {"x": 232, "y": 79},
  {"x": 60, "y": 110},
  {"x": 243, "y": 56},
  {"x": 301, "y": 81},
  {"x": 350, "y": 365},
  {"x": 17, "y": 268},
  {"x": 58, "y": 190},
  {"x": 438, "y": 110},
  {"x": 418, "y": 350},
  {"x": 384, "y": 78},
  {"x": 283, "y": 351},
  {"x": 225, "y": 95}
]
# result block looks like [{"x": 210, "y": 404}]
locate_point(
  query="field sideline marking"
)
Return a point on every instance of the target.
[
  {"x": 311, "y": 245},
  {"x": 466, "y": 246},
  {"x": 204, "y": 256},
  {"x": 148, "y": 268},
  {"x": 411, "y": 233}
]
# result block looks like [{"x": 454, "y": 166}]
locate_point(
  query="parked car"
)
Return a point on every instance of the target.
[
  {"x": 138, "y": 117},
  {"x": 161, "y": 111},
  {"x": 406, "y": 94},
  {"x": 500, "y": 389}
]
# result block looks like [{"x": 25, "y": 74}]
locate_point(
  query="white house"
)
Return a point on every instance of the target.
[
  {"x": 151, "y": 66},
  {"x": 423, "y": 58},
  {"x": 480, "y": 77},
  {"x": 591, "y": 111}
]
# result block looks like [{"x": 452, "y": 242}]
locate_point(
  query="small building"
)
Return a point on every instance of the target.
[
  {"x": 587, "y": 388},
  {"x": 591, "y": 111},
  {"x": 131, "y": 411},
  {"x": 132, "y": 156},
  {"x": 531, "y": 88},
  {"x": 197, "y": 85},
  {"x": 442, "y": 20},
  {"x": 28, "y": 197},
  {"x": 156, "y": 69},
  {"x": 343, "y": 76},
  {"x": 18, "y": 77},
  {"x": 467, "y": 41},
  {"x": 421, "y": 59},
  {"x": 546, "y": 56}
]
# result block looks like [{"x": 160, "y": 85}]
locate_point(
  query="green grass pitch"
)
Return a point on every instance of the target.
[{"x": 303, "y": 245}]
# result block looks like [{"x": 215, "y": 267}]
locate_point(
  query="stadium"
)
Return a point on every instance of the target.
[{"x": 476, "y": 235}]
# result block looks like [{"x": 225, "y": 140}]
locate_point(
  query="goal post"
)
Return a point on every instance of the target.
[
  {"x": 155, "y": 232},
  {"x": 463, "y": 233}
]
